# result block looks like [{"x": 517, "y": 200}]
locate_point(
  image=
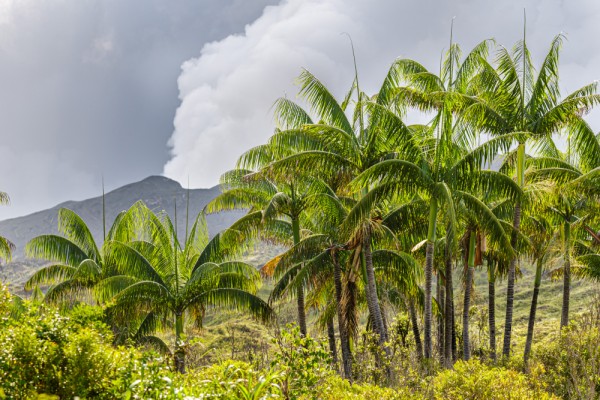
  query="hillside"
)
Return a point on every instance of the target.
[{"x": 158, "y": 192}]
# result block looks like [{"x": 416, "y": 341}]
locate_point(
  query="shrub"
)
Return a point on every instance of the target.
[
  {"x": 303, "y": 362},
  {"x": 233, "y": 380},
  {"x": 336, "y": 388},
  {"x": 143, "y": 376},
  {"x": 572, "y": 362},
  {"x": 474, "y": 380},
  {"x": 44, "y": 352}
]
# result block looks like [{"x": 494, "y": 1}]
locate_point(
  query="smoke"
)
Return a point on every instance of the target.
[{"x": 227, "y": 92}]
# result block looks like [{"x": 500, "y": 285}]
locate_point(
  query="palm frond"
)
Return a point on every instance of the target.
[
  {"x": 6, "y": 249},
  {"x": 50, "y": 274},
  {"x": 322, "y": 101},
  {"x": 288, "y": 114},
  {"x": 238, "y": 300},
  {"x": 72, "y": 226},
  {"x": 55, "y": 248},
  {"x": 128, "y": 261}
]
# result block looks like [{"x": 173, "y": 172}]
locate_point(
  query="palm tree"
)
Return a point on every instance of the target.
[
  {"x": 433, "y": 165},
  {"x": 318, "y": 254},
  {"x": 448, "y": 95},
  {"x": 542, "y": 239},
  {"x": 281, "y": 199},
  {"x": 156, "y": 277},
  {"x": 333, "y": 150},
  {"x": 517, "y": 107},
  {"x": 281, "y": 204},
  {"x": 77, "y": 263}
]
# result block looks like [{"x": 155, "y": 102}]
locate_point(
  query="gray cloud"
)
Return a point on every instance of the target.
[
  {"x": 99, "y": 87},
  {"x": 226, "y": 93},
  {"x": 89, "y": 87}
]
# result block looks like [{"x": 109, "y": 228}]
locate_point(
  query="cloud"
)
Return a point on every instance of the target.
[
  {"x": 89, "y": 88},
  {"x": 226, "y": 93}
]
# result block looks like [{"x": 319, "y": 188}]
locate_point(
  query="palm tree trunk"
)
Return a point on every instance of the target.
[
  {"x": 492, "y": 310},
  {"x": 344, "y": 341},
  {"x": 510, "y": 286},
  {"x": 564, "y": 318},
  {"x": 428, "y": 274},
  {"x": 534, "y": 300},
  {"x": 179, "y": 355},
  {"x": 467, "y": 301},
  {"x": 372, "y": 299},
  {"x": 300, "y": 290},
  {"x": 332, "y": 345},
  {"x": 448, "y": 312},
  {"x": 301, "y": 311},
  {"x": 415, "y": 327},
  {"x": 440, "y": 319},
  {"x": 454, "y": 357}
]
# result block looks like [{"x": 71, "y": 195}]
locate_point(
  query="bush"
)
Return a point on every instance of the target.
[
  {"x": 336, "y": 388},
  {"x": 303, "y": 362},
  {"x": 572, "y": 362},
  {"x": 474, "y": 380},
  {"x": 233, "y": 380},
  {"x": 44, "y": 352}
]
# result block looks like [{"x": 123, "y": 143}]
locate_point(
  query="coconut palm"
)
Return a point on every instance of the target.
[{"x": 157, "y": 279}]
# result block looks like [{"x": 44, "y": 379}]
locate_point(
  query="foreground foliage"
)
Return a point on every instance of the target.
[{"x": 67, "y": 354}]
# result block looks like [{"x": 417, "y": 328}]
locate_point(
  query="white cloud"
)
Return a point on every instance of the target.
[{"x": 226, "y": 93}]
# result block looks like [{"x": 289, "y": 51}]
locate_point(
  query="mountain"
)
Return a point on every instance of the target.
[{"x": 158, "y": 192}]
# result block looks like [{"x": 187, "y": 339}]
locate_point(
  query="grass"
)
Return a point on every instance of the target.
[{"x": 548, "y": 310}]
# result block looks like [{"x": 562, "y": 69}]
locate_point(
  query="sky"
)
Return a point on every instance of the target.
[{"x": 130, "y": 88}]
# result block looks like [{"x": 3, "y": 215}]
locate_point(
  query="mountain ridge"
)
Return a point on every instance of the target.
[{"x": 158, "y": 192}]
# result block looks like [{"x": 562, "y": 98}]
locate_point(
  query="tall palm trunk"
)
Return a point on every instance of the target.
[
  {"x": 454, "y": 357},
  {"x": 332, "y": 345},
  {"x": 534, "y": 300},
  {"x": 440, "y": 319},
  {"x": 300, "y": 291},
  {"x": 448, "y": 311},
  {"x": 301, "y": 310},
  {"x": 428, "y": 274},
  {"x": 492, "y": 310},
  {"x": 372, "y": 299},
  {"x": 179, "y": 355},
  {"x": 343, "y": 329},
  {"x": 467, "y": 302},
  {"x": 564, "y": 318},
  {"x": 415, "y": 327},
  {"x": 510, "y": 286}
]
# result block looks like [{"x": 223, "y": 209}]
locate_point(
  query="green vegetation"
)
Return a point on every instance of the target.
[{"x": 377, "y": 224}]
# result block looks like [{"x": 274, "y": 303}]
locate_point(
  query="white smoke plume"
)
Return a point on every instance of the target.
[{"x": 227, "y": 92}]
